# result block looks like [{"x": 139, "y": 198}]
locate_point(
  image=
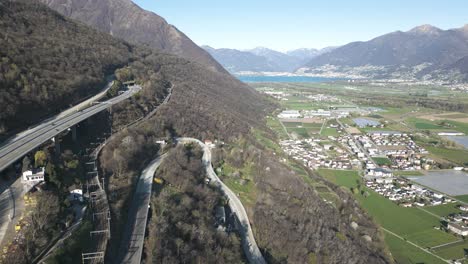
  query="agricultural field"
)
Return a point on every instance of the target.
[
  {"x": 458, "y": 156},
  {"x": 406, "y": 253},
  {"x": 330, "y": 132},
  {"x": 303, "y": 130},
  {"x": 277, "y": 127},
  {"x": 401, "y": 111},
  {"x": 463, "y": 198},
  {"x": 412, "y": 224},
  {"x": 444, "y": 210},
  {"x": 300, "y": 131},
  {"x": 424, "y": 124},
  {"x": 346, "y": 178},
  {"x": 453, "y": 251}
]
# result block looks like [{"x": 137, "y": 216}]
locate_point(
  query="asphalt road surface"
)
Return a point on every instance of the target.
[
  {"x": 11, "y": 209},
  {"x": 20, "y": 145},
  {"x": 249, "y": 245},
  {"x": 131, "y": 247}
]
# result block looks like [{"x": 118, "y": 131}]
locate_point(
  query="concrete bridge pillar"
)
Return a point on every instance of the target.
[
  {"x": 74, "y": 135},
  {"x": 57, "y": 145}
]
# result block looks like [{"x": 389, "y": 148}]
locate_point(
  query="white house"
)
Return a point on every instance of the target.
[
  {"x": 76, "y": 195},
  {"x": 289, "y": 114},
  {"x": 34, "y": 175},
  {"x": 379, "y": 172},
  {"x": 458, "y": 229}
]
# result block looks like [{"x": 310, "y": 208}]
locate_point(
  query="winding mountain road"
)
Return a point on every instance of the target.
[
  {"x": 249, "y": 245},
  {"x": 131, "y": 247}
]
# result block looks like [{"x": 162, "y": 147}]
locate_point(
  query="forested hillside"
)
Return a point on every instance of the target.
[
  {"x": 181, "y": 229},
  {"x": 48, "y": 62}
]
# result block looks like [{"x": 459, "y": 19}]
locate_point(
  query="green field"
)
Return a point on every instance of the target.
[
  {"x": 419, "y": 123},
  {"x": 276, "y": 126},
  {"x": 462, "y": 127},
  {"x": 345, "y": 178},
  {"x": 330, "y": 132},
  {"x": 405, "y": 253},
  {"x": 301, "y": 131},
  {"x": 463, "y": 198},
  {"x": 298, "y": 103},
  {"x": 411, "y": 223},
  {"x": 392, "y": 111},
  {"x": 444, "y": 209},
  {"x": 453, "y": 251},
  {"x": 382, "y": 161},
  {"x": 459, "y": 156}
]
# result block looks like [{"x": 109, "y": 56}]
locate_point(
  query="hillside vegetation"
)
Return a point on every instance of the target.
[
  {"x": 48, "y": 62},
  {"x": 297, "y": 217},
  {"x": 181, "y": 229}
]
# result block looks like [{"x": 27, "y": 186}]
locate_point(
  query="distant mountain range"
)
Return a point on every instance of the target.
[
  {"x": 424, "y": 52},
  {"x": 263, "y": 59},
  {"x": 125, "y": 20}
]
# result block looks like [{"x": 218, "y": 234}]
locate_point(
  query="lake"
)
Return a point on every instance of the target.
[
  {"x": 285, "y": 79},
  {"x": 461, "y": 140}
]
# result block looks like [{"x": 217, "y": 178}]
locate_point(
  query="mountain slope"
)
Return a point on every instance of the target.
[
  {"x": 424, "y": 44},
  {"x": 422, "y": 50},
  {"x": 48, "y": 62},
  {"x": 124, "y": 19},
  {"x": 237, "y": 61},
  {"x": 304, "y": 53},
  {"x": 280, "y": 61},
  {"x": 263, "y": 59}
]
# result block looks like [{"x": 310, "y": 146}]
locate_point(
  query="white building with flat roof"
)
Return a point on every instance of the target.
[
  {"x": 34, "y": 175},
  {"x": 457, "y": 228},
  {"x": 289, "y": 114}
]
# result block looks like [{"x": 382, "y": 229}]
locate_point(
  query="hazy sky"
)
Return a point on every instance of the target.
[{"x": 291, "y": 24}]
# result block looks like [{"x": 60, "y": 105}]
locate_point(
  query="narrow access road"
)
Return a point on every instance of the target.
[
  {"x": 131, "y": 247},
  {"x": 11, "y": 209},
  {"x": 249, "y": 244}
]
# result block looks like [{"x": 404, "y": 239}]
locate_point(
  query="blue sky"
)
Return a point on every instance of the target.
[{"x": 291, "y": 24}]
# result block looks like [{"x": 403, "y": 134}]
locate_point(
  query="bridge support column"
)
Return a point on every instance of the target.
[
  {"x": 74, "y": 135},
  {"x": 57, "y": 145}
]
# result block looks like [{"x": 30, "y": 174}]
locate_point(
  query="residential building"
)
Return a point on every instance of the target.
[
  {"x": 458, "y": 228},
  {"x": 34, "y": 175}
]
